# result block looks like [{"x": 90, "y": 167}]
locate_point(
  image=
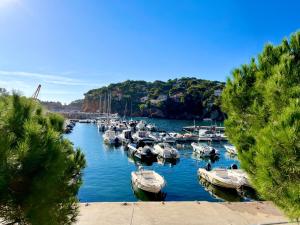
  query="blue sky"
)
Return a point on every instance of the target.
[{"x": 72, "y": 46}]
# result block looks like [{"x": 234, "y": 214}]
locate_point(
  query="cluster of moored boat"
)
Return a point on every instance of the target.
[
  {"x": 69, "y": 125},
  {"x": 146, "y": 143}
]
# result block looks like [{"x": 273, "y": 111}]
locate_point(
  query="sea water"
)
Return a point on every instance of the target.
[{"x": 107, "y": 176}]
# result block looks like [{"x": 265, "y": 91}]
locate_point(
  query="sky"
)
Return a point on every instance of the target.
[{"x": 72, "y": 46}]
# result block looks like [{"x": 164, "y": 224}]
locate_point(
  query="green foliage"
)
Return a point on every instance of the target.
[
  {"x": 186, "y": 96},
  {"x": 262, "y": 101},
  {"x": 40, "y": 173}
]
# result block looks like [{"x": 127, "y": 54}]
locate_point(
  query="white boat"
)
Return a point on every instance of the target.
[
  {"x": 125, "y": 136},
  {"x": 143, "y": 153},
  {"x": 226, "y": 178},
  {"x": 231, "y": 149},
  {"x": 142, "y": 136},
  {"x": 148, "y": 180},
  {"x": 166, "y": 151},
  {"x": 151, "y": 127},
  {"x": 141, "y": 125},
  {"x": 167, "y": 138},
  {"x": 204, "y": 150},
  {"x": 110, "y": 137}
]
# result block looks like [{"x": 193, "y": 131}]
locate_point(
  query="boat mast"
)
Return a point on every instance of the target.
[{"x": 100, "y": 98}]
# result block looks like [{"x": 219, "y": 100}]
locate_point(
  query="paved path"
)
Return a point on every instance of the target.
[{"x": 180, "y": 213}]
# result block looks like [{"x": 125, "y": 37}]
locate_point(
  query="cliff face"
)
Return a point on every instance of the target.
[{"x": 185, "y": 98}]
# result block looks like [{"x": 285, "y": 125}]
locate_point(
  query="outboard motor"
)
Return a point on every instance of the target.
[
  {"x": 117, "y": 141},
  {"x": 213, "y": 152},
  {"x": 208, "y": 167},
  {"x": 140, "y": 144}
]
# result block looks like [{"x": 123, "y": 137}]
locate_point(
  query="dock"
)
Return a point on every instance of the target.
[
  {"x": 180, "y": 213},
  {"x": 197, "y": 128}
]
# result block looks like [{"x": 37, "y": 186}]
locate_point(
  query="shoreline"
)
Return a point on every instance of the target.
[{"x": 180, "y": 213}]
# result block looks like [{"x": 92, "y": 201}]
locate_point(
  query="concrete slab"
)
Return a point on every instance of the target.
[{"x": 180, "y": 213}]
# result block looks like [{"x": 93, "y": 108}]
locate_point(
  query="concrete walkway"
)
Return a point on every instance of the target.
[{"x": 180, "y": 213}]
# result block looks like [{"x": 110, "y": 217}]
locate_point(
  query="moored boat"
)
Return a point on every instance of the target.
[
  {"x": 226, "y": 178},
  {"x": 110, "y": 137},
  {"x": 166, "y": 151},
  {"x": 204, "y": 150},
  {"x": 148, "y": 180}
]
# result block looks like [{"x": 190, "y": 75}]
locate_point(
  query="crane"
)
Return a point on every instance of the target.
[{"x": 36, "y": 93}]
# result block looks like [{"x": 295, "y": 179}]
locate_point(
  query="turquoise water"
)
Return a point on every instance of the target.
[{"x": 107, "y": 176}]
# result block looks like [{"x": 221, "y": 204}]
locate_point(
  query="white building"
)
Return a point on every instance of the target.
[{"x": 218, "y": 92}]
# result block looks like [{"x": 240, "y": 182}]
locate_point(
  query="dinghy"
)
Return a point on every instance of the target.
[
  {"x": 147, "y": 180},
  {"x": 226, "y": 178},
  {"x": 204, "y": 150}
]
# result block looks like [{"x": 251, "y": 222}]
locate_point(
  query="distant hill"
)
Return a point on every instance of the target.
[
  {"x": 59, "y": 107},
  {"x": 184, "y": 98}
]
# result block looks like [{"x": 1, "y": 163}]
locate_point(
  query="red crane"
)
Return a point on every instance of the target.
[{"x": 36, "y": 93}]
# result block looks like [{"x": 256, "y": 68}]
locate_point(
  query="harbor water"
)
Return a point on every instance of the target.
[{"x": 107, "y": 176}]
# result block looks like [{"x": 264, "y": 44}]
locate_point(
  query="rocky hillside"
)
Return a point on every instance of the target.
[
  {"x": 185, "y": 98},
  {"x": 59, "y": 107}
]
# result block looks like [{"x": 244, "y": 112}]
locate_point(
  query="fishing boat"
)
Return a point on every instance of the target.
[
  {"x": 204, "y": 150},
  {"x": 231, "y": 149},
  {"x": 166, "y": 151},
  {"x": 110, "y": 137},
  {"x": 148, "y": 180},
  {"x": 226, "y": 178}
]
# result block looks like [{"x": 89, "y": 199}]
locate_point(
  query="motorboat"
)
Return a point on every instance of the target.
[
  {"x": 141, "y": 125},
  {"x": 167, "y": 138},
  {"x": 231, "y": 149},
  {"x": 145, "y": 153},
  {"x": 143, "y": 136},
  {"x": 142, "y": 151},
  {"x": 166, "y": 151},
  {"x": 125, "y": 136},
  {"x": 226, "y": 178},
  {"x": 151, "y": 127},
  {"x": 110, "y": 137},
  {"x": 148, "y": 180},
  {"x": 211, "y": 135},
  {"x": 204, "y": 150}
]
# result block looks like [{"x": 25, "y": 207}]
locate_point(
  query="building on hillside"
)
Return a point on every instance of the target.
[{"x": 218, "y": 92}]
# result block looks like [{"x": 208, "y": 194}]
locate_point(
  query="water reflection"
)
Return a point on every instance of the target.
[
  {"x": 148, "y": 196},
  {"x": 225, "y": 194},
  {"x": 170, "y": 162},
  {"x": 211, "y": 159},
  {"x": 138, "y": 161}
]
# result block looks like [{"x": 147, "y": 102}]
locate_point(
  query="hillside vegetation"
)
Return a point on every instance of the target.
[{"x": 184, "y": 98}]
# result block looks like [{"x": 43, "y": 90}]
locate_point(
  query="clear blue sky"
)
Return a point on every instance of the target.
[{"x": 71, "y": 46}]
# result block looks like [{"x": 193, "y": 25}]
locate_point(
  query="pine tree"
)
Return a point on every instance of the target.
[
  {"x": 262, "y": 101},
  {"x": 40, "y": 172}
]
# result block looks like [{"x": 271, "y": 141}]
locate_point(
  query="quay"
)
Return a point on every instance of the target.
[{"x": 180, "y": 213}]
